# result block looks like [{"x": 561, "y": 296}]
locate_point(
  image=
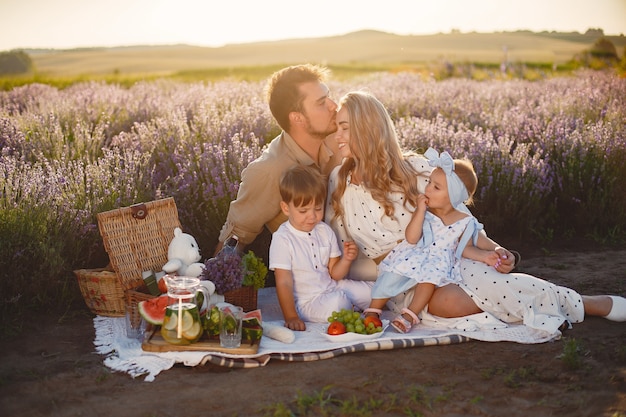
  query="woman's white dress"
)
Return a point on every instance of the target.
[{"x": 508, "y": 298}]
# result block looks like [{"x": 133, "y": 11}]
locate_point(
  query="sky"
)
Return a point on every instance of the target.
[{"x": 67, "y": 24}]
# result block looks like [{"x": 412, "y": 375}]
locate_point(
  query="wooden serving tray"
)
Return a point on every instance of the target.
[{"x": 153, "y": 342}]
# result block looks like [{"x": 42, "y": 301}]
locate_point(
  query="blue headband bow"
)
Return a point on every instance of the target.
[{"x": 456, "y": 189}]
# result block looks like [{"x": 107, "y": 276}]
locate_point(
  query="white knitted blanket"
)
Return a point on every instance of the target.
[{"x": 126, "y": 355}]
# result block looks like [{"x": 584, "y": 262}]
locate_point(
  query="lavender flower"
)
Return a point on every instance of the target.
[
  {"x": 549, "y": 155},
  {"x": 225, "y": 271}
]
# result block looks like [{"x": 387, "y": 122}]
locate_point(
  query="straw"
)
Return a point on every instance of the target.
[{"x": 180, "y": 318}]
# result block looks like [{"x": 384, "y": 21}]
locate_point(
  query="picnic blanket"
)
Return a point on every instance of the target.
[{"x": 126, "y": 355}]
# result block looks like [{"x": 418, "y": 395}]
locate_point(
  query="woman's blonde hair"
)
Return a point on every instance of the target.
[{"x": 376, "y": 154}]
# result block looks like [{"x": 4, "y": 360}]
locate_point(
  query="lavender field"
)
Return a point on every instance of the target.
[{"x": 550, "y": 157}]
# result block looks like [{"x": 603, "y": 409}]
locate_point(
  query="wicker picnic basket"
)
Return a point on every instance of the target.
[
  {"x": 245, "y": 297},
  {"x": 102, "y": 291},
  {"x": 136, "y": 239}
]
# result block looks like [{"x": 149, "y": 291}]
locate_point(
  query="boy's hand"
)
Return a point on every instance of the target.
[
  {"x": 295, "y": 324},
  {"x": 350, "y": 251}
]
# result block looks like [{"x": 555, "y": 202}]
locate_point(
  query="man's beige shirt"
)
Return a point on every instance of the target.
[{"x": 258, "y": 199}]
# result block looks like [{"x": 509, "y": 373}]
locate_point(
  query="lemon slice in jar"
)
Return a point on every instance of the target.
[
  {"x": 172, "y": 322},
  {"x": 193, "y": 332},
  {"x": 187, "y": 321}
]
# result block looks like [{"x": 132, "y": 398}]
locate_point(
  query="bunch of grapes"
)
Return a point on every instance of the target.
[
  {"x": 225, "y": 271},
  {"x": 354, "y": 322}
]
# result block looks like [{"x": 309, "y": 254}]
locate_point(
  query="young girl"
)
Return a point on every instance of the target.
[
  {"x": 306, "y": 258},
  {"x": 436, "y": 237}
]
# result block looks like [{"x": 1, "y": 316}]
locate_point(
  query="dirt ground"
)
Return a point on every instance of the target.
[{"x": 51, "y": 369}]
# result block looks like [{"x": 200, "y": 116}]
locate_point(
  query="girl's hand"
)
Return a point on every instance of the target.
[
  {"x": 422, "y": 204},
  {"x": 506, "y": 260},
  {"x": 492, "y": 258}
]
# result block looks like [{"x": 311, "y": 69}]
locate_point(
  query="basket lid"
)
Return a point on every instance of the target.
[{"x": 136, "y": 238}]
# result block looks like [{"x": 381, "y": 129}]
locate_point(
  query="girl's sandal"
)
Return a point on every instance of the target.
[
  {"x": 372, "y": 311},
  {"x": 401, "y": 324}
]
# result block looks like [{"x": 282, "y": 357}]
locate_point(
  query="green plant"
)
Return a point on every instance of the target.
[
  {"x": 353, "y": 407},
  {"x": 545, "y": 236},
  {"x": 489, "y": 373},
  {"x": 318, "y": 399},
  {"x": 572, "y": 354},
  {"x": 420, "y": 395},
  {"x": 510, "y": 380},
  {"x": 277, "y": 410},
  {"x": 412, "y": 413},
  {"x": 613, "y": 236},
  {"x": 519, "y": 376},
  {"x": 255, "y": 270},
  {"x": 477, "y": 399}
]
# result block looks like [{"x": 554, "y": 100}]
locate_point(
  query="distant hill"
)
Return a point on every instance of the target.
[{"x": 363, "y": 47}]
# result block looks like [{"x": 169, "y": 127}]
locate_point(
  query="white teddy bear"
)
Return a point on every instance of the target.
[{"x": 183, "y": 256}]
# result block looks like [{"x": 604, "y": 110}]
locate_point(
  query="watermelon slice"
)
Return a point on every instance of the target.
[
  {"x": 252, "y": 314},
  {"x": 251, "y": 329},
  {"x": 153, "y": 310}
]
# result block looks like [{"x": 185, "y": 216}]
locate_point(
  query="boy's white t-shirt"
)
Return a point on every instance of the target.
[{"x": 306, "y": 255}]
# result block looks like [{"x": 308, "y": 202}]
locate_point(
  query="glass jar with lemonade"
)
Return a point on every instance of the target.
[{"x": 182, "y": 325}]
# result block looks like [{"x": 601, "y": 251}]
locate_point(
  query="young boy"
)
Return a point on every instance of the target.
[{"x": 306, "y": 258}]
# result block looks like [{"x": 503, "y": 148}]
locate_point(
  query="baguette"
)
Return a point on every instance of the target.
[{"x": 278, "y": 332}]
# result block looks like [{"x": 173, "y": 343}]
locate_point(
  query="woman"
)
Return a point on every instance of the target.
[{"x": 371, "y": 199}]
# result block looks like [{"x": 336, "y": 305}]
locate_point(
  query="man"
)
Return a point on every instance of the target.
[{"x": 300, "y": 102}]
